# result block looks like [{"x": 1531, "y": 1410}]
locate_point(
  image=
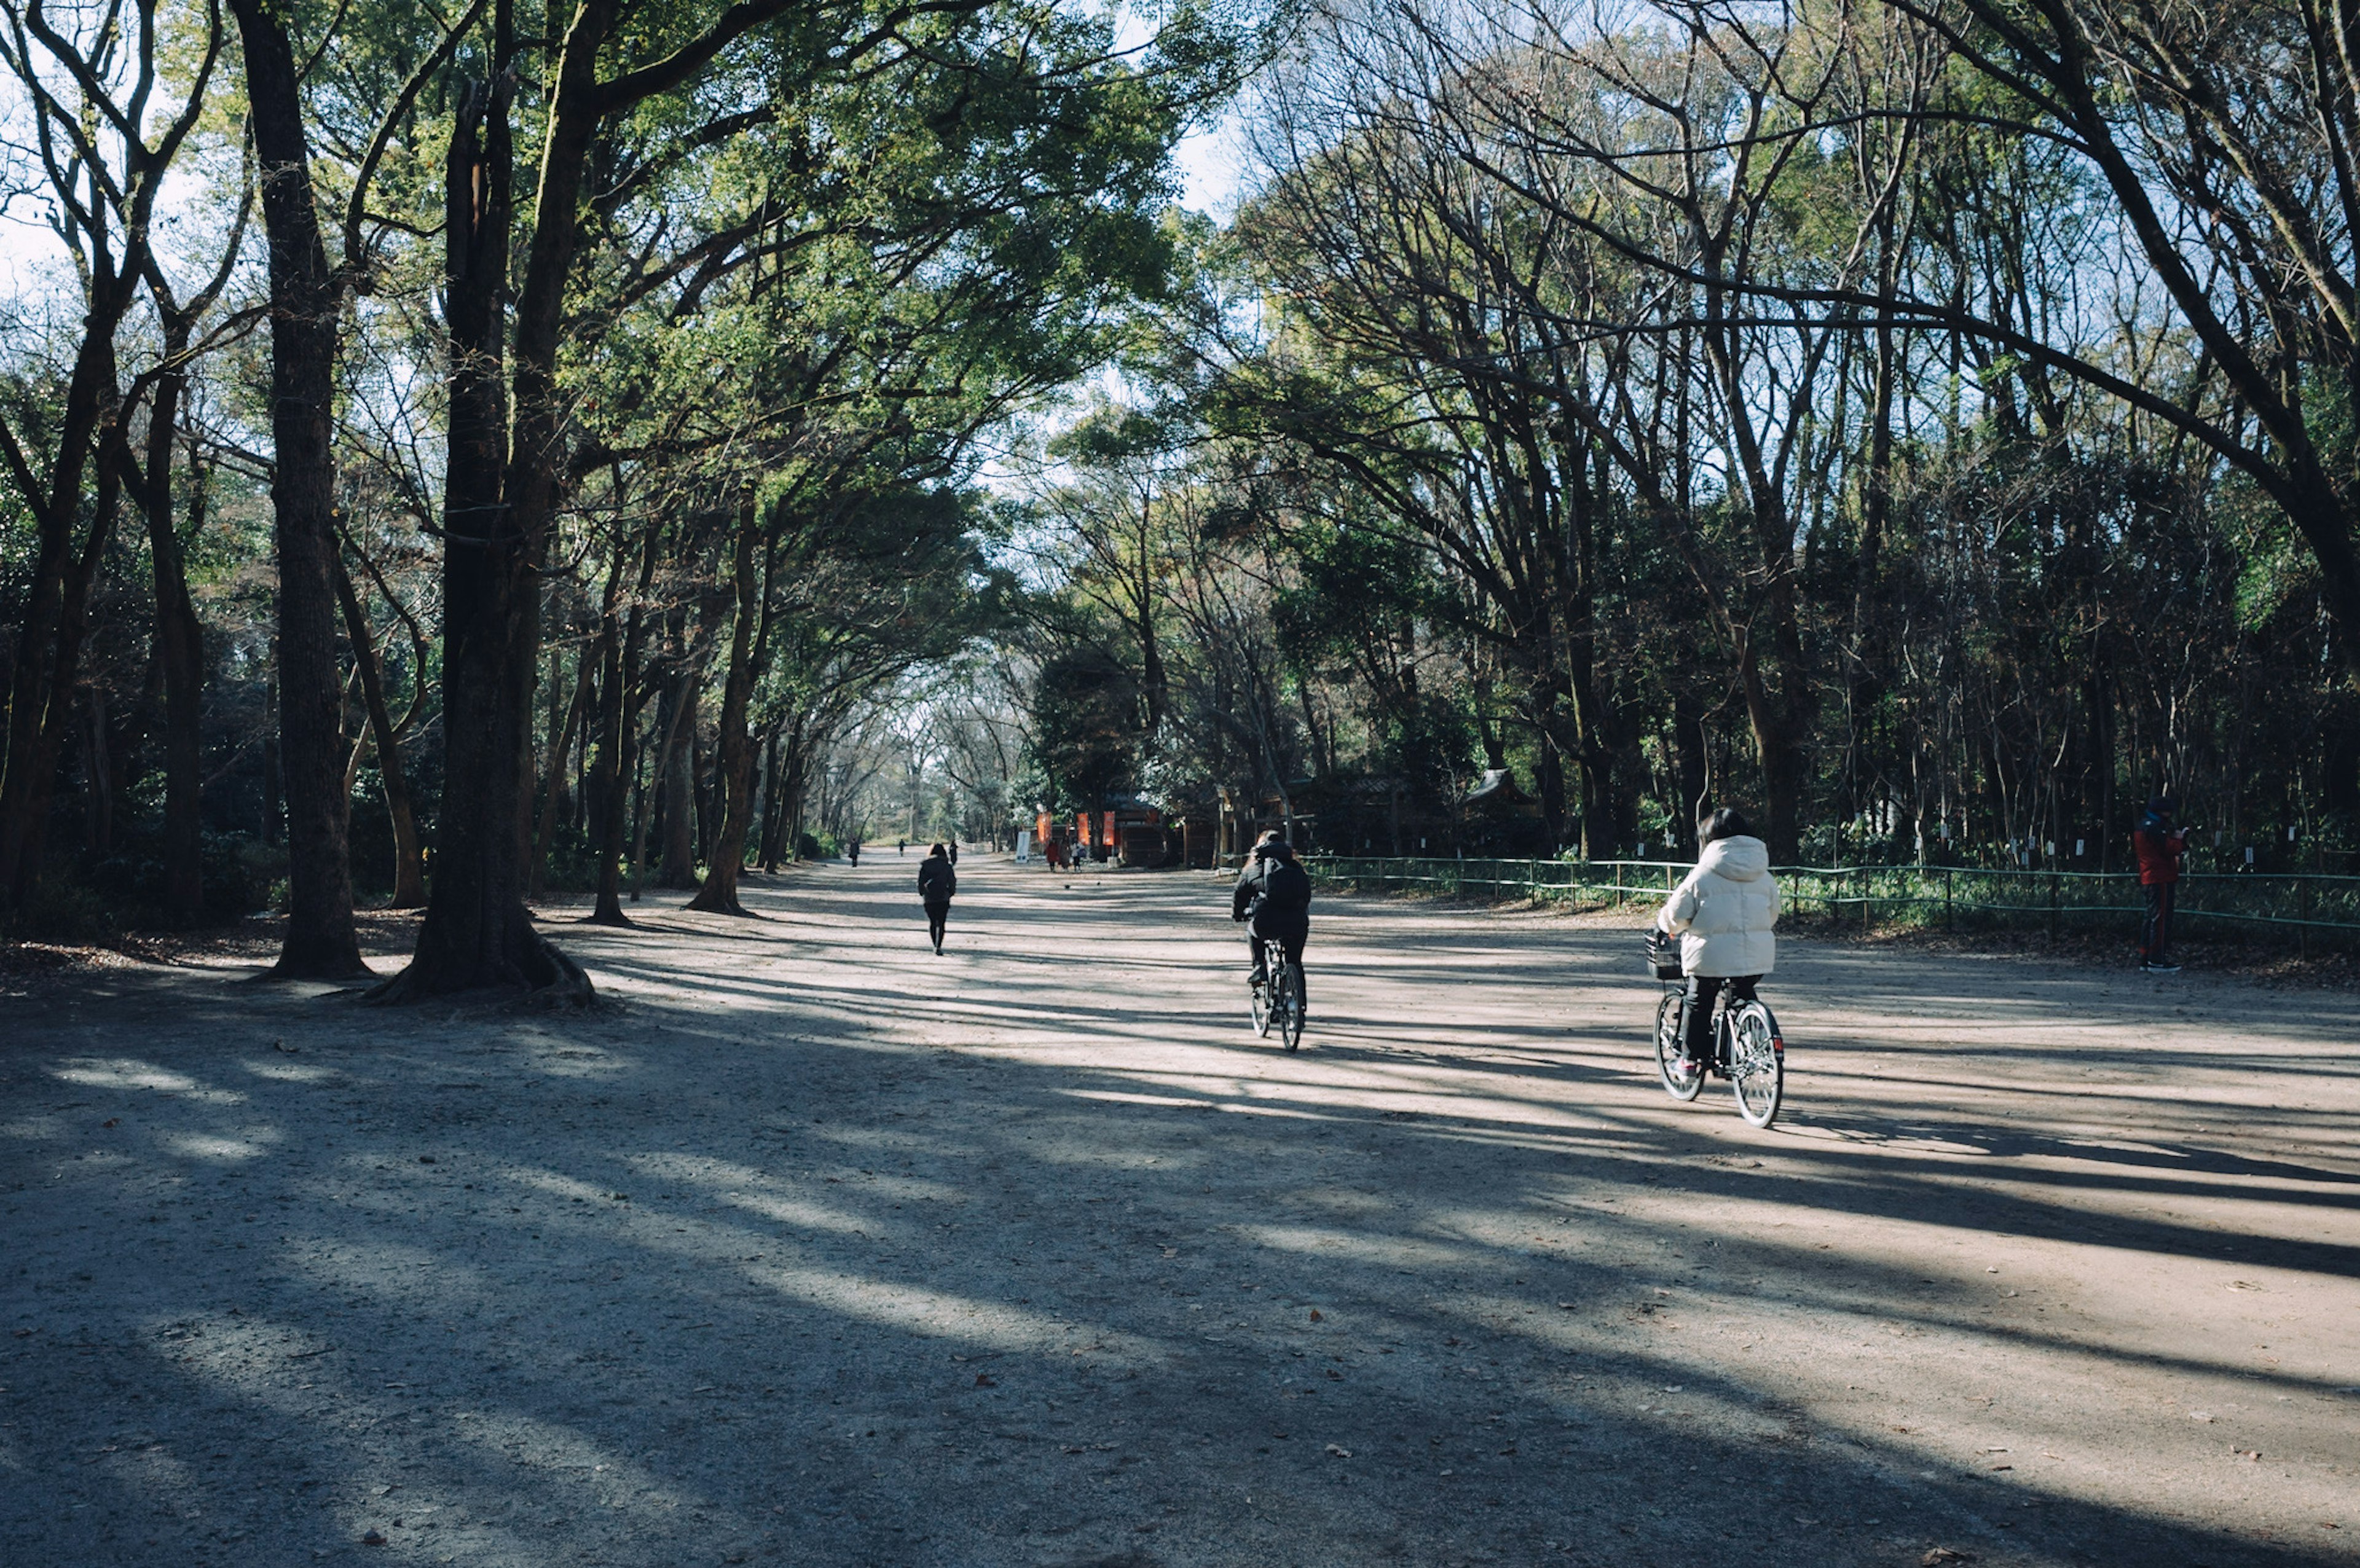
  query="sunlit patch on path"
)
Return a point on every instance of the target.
[{"x": 816, "y": 1247}]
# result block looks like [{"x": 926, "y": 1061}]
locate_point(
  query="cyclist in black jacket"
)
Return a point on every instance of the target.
[
  {"x": 1274, "y": 892},
  {"x": 937, "y": 885}
]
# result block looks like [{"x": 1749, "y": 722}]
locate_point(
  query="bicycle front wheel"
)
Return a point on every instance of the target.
[
  {"x": 1262, "y": 1009},
  {"x": 1291, "y": 1006},
  {"x": 1757, "y": 1063},
  {"x": 1670, "y": 1051}
]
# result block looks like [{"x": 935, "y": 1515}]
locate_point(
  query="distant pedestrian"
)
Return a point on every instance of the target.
[
  {"x": 900, "y": 846},
  {"x": 2160, "y": 845},
  {"x": 937, "y": 884},
  {"x": 852, "y": 851},
  {"x": 953, "y": 848}
]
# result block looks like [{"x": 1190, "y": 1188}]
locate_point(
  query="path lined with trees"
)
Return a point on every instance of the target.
[
  {"x": 607, "y": 448},
  {"x": 822, "y": 1248}
]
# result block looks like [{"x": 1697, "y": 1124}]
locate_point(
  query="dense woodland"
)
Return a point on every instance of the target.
[{"x": 455, "y": 455}]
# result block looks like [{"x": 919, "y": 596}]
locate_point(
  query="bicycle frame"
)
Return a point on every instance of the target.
[{"x": 1718, "y": 1065}]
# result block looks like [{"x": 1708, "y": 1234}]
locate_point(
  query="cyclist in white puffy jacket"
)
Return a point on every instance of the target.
[{"x": 1723, "y": 912}]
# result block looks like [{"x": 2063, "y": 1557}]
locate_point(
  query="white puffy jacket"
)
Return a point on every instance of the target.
[{"x": 1725, "y": 910}]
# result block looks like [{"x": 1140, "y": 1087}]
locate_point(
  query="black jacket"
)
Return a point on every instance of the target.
[
  {"x": 1274, "y": 892},
  {"x": 936, "y": 881}
]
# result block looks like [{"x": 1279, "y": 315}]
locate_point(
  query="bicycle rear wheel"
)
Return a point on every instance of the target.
[
  {"x": 1670, "y": 1051},
  {"x": 1261, "y": 1009},
  {"x": 1291, "y": 1005},
  {"x": 1757, "y": 1063}
]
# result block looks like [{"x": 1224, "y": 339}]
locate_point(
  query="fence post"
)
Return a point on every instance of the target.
[
  {"x": 1864, "y": 884},
  {"x": 2304, "y": 884},
  {"x": 1618, "y": 884},
  {"x": 1946, "y": 901}
]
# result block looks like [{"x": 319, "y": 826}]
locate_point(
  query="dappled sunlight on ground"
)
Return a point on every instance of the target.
[{"x": 816, "y": 1247}]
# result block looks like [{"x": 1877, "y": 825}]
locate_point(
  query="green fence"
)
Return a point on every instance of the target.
[{"x": 2303, "y": 908}]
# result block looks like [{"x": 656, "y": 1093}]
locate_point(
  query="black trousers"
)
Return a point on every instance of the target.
[
  {"x": 1697, "y": 1012},
  {"x": 937, "y": 915},
  {"x": 2154, "y": 935},
  {"x": 1294, "y": 945}
]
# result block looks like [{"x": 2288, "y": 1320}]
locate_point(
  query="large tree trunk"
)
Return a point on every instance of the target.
[
  {"x": 477, "y": 930},
  {"x": 305, "y": 300},
  {"x": 720, "y": 893},
  {"x": 477, "y": 933}
]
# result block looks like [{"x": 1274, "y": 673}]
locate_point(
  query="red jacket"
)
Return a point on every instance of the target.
[{"x": 2158, "y": 854}]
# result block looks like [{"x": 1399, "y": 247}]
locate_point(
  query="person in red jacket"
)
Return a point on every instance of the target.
[{"x": 2159, "y": 847}]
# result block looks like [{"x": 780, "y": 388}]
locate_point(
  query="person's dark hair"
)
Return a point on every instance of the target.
[
  {"x": 937, "y": 849},
  {"x": 1726, "y": 822},
  {"x": 2161, "y": 805},
  {"x": 1270, "y": 835}
]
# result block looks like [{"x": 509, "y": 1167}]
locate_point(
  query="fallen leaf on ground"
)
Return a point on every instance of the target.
[
  {"x": 111, "y": 1121},
  {"x": 984, "y": 1380},
  {"x": 1340, "y": 1451},
  {"x": 2199, "y": 1415},
  {"x": 1940, "y": 1555},
  {"x": 1315, "y": 1314},
  {"x": 372, "y": 1539}
]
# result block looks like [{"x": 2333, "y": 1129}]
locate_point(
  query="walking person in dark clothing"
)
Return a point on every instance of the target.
[
  {"x": 1272, "y": 893},
  {"x": 937, "y": 883},
  {"x": 2160, "y": 845},
  {"x": 953, "y": 849}
]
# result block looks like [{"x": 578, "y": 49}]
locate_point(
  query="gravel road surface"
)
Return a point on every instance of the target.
[{"x": 814, "y": 1247}]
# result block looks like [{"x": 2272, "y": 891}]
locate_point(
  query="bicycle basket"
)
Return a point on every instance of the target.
[{"x": 1663, "y": 956}]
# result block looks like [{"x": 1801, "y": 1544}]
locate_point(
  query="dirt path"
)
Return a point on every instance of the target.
[{"x": 821, "y": 1249}]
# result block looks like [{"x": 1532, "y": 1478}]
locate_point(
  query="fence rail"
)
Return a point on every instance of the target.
[{"x": 2306, "y": 907}]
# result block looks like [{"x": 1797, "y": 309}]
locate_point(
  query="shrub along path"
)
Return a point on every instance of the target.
[{"x": 818, "y": 1248}]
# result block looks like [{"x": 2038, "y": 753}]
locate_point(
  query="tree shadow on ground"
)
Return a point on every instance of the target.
[{"x": 780, "y": 1284}]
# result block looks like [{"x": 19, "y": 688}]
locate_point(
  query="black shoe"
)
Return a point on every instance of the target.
[{"x": 2160, "y": 966}]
